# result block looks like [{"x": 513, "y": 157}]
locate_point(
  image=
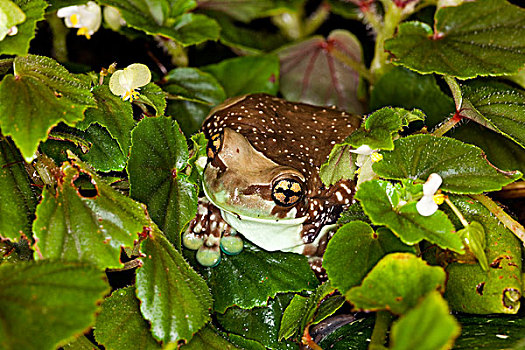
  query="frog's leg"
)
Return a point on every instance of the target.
[{"x": 208, "y": 233}]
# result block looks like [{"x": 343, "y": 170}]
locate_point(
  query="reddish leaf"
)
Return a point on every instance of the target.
[{"x": 317, "y": 71}]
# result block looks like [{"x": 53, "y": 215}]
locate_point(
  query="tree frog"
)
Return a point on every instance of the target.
[{"x": 261, "y": 178}]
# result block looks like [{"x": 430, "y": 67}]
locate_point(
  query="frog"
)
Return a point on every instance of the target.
[{"x": 261, "y": 178}]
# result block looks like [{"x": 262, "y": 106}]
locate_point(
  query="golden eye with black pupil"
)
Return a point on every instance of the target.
[
  {"x": 287, "y": 192},
  {"x": 214, "y": 145}
]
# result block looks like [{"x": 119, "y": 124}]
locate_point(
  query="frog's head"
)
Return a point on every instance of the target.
[
  {"x": 264, "y": 157},
  {"x": 242, "y": 180}
]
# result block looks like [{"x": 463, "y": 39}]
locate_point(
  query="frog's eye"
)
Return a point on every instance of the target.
[
  {"x": 214, "y": 145},
  {"x": 287, "y": 192}
]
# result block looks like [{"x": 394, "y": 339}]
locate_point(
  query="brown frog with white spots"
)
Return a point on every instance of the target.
[{"x": 261, "y": 178}]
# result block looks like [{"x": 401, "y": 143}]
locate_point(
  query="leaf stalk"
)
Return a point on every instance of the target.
[
  {"x": 505, "y": 218},
  {"x": 381, "y": 327},
  {"x": 456, "y": 211}
]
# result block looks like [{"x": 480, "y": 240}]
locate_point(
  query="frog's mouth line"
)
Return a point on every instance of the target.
[{"x": 270, "y": 234}]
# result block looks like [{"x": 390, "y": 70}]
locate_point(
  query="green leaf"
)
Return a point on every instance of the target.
[
  {"x": 174, "y": 298},
  {"x": 259, "y": 275},
  {"x": 428, "y": 326},
  {"x": 81, "y": 343},
  {"x": 112, "y": 113},
  {"x": 380, "y": 201},
  {"x": 94, "y": 146},
  {"x": 76, "y": 227},
  {"x": 474, "y": 237},
  {"x": 367, "y": 247},
  {"x": 396, "y": 284},
  {"x": 352, "y": 336},
  {"x": 54, "y": 5},
  {"x": 120, "y": 324},
  {"x": 353, "y": 213},
  {"x": 261, "y": 323},
  {"x": 246, "y": 75},
  {"x": 245, "y": 344},
  {"x": 472, "y": 290},
  {"x": 322, "y": 71},
  {"x": 462, "y": 167},
  {"x": 208, "y": 339},
  {"x": 19, "y": 44},
  {"x": 247, "y": 40},
  {"x": 490, "y": 332},
  {"x": 247, "y": 10},
  {"x": 501, "y": 151},
  {"x": 302, "y": 311},
  {"x": 104, "y": 152},
  {"x": 340, "y": 165},
  {"x": 468, "y": 41},
  {"x": 50, "y": 301},
  {"x": 496, "y": 106},
  {"x": 379, "y": 128},
  {"x": 46, "y": 93},
  {"x": 292, "y": 317},
  {"x": 192, "y": 95},
  {"x": 401, "y": 87},
  {"x": 17, "y": 200},
  {"x": 152, "y": 95},
  {"x": 167, "y": 18},
  {"x": 158, "y": 155}
]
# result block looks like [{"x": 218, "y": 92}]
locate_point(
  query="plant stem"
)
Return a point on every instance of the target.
[
  {"x": 316, "y": 19},
  {"x": 60, "y": 32},
  {"x": 505, "y": 218},
  {"x": 446, "y": 126},
  {"x": 381, "y": 327},
  {"x": 307, "y": 340},
  {"x": 456, "y": 211},
  {"x": 372, "y": 19},
  {"x": 458, "y": 100},
  {"x": 393, "y": 16}
]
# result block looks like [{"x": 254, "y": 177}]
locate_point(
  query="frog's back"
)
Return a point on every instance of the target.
[{"x": 289, "y": 133}]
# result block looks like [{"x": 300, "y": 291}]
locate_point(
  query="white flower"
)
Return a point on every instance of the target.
[
  {"x": 364, "y": 152},
  {"x": 428, "y": 204},
  {"x": 10, "y": 16},
  {"x": 125, "y": 82},
  {"x": 86, "y": 18},
  {"x": 366, "y": 156}
]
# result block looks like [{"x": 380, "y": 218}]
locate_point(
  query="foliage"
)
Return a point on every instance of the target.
[{"x": 100, "y": 174}]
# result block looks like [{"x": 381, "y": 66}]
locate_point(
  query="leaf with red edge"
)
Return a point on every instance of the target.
[
  {"x": 75, "y": 226},
  {"x": 318, "y": 71}
]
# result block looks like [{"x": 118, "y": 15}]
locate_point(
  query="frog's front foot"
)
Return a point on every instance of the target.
[{"x": 208, "y": 233}]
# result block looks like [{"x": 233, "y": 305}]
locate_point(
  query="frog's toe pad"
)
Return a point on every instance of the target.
[
  {"x": 191, "y": 240},
  {"x": 232, "y": 245},
  {"x": 208, "y": 256}
]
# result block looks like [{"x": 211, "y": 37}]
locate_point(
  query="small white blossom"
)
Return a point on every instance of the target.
[
  {"x": 366, "y": 156},
  {"x": 364, "y": 152},
  {"x": 86, "y": 18},
  {"x": 126, "y": 82},
  {"x": 428, "y": 204}
]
